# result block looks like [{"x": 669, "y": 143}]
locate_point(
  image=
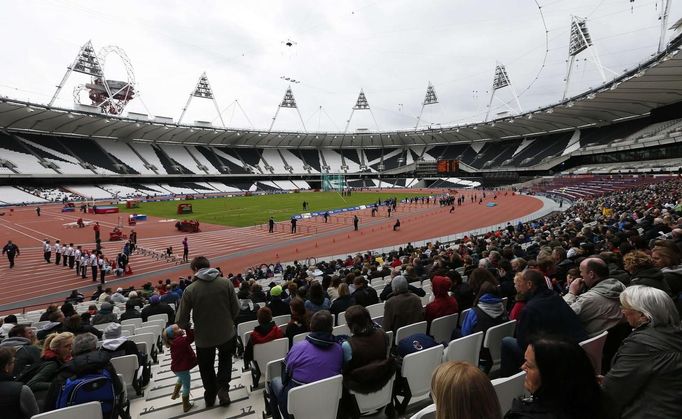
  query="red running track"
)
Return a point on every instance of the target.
[{"x": 33, "y": 282}]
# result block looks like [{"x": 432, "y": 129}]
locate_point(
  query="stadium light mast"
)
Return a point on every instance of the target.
[
  {"x": 202, "y": 90},
  {"x": 360, "y": 105},
  {"x": 287, "y": 102},
  {"x": 665, "y": 11},
  {"x": 501, "y": 81},
  {"x": 430, "y": 99},
  {"x": 579, "y": 41}
]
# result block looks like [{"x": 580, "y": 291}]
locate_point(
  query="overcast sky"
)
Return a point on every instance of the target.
[{"x": 390, "y": 48}]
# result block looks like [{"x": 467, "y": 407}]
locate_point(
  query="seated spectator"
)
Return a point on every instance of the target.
[
  {"x": 403, "y": 308},
  {"x": 461, "y": 390},
  {"x": 68, "y": 310},
  {"x": 276, "y": 305},
  {"x": 105, "y": 296},
  {"x": 157, "y": 307},
  {"x": 333, "y": 289},
  {"x": 478, "y": 277},
  {"x": 522, "y": 289},
  {"x": 55, "y": 325},
  {"x": 643, "y": 271},
  {"x": 488, "y": 311},
  {"x": 367, "y": 367},
  {"x": 135, "y": 300},
  {"x": 316, "y": 300},
  {"x": 130, "y": 312},
  {"x": 364, "y": 295},
  {"x": 17, "y": 400},
  {"x": 257, "y": 294},
  {"x": 644, "y": 380},
  {"x": 173, "y": 295},
  {"x": 443, "y": 304},
  {"x": 343, "y": 301},
  {"x": 97, "y": 293},
  {"x": 74, "y": 325},
  {"x": 266, "y": 331},
  {"x": 115, "y": 344},
  {"x": 667, "y": 257},
  {"x": 299, "y": 319},
  {"x": 118, "y": 296},
  {"x": 561, "y": 381},
  {"x": 594, "y": 297},
  {"x": 23, "y": 340},
  {"x": 8, "y": 323},
  {"x": 461, "y": 291},
  {"x": 46, "y": 315},
  {"x": 75, "y": 297},
  {"x": 105, "y": 314},
  {"x": 86, "y": 360},
  {"x": 544, "y": 313},
  {"x": 387, "y": 292},
  {"x": 56, "y": 352},
  {"x": 317, "y": 357}
]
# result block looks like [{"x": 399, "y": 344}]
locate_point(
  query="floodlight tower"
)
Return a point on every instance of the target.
[
  {"x": 287, "y": 102},
  {"x": 501, "y": 81},
  {"x": 579, "y": 41},
  {"x": 202, "y": 90},
  {"x": 360, "y": 105},
  {"x": 430, "y": 99}
]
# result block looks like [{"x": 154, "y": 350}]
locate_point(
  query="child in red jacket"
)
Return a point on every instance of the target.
[
  {"x": 183, "y": 359},
  {"x": 266, "y": 331}
]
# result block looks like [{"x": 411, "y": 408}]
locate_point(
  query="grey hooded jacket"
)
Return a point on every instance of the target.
[
  {"x": 598, "y": 308},
  {"x": 213, "y": 303}
]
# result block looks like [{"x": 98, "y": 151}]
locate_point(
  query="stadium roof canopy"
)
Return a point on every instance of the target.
[{"x": 655, "y": 83}]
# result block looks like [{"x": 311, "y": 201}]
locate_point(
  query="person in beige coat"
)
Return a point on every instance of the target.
[{"x": 403, "y": 308}]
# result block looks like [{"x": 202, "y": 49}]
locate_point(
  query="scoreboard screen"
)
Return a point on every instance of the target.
[{"x": 447, "y": 166}]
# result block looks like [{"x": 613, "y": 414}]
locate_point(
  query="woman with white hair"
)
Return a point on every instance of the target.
[{"x": 645, "y": 380}]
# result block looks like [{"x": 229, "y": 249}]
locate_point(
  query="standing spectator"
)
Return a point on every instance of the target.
[
  {"x": 183, "y": 359},
  {"x": 12, "y": 251},
  {"x": 47, "y": 251},
  {"x": 72, "y": 255},
  {"x": 271, "y": 225},
  {"x": 23, "y": 339},
  {"x": 96, "y": 229},
  {"x": 403, "y": 308},
  {"x": 212, "y": 301},
  {"x": 185, "y": 250},
  {"x": 293, "y": 225},
  {"x": 356, "y": 221},
  {"x": 17, "y": 400},
  {"x": 57, "y": 252}
]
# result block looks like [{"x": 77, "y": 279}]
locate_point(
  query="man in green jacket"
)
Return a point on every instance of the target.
[{"x": 214, "y": 304}]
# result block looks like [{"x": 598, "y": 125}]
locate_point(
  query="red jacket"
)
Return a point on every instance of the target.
[
  {"x": 443, "y": 304},
  {"x": 183, "y": 357},
  {"x": 260, "y": 334},
  {"x": 518, "y": 306}
]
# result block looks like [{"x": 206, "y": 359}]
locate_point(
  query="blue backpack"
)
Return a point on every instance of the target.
[{"x": 88, "y": 388}]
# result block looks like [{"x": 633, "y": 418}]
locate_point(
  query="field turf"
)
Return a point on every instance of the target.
[{"x": 252, "y": 210}]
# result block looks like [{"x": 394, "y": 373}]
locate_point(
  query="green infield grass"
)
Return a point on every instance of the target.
[{"x": 252, "y": 210}]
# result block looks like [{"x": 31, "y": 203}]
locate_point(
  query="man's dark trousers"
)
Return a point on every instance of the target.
[{"x": 206, "y": 361}]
